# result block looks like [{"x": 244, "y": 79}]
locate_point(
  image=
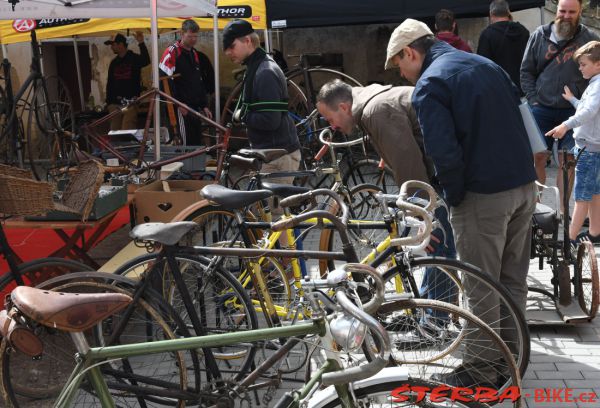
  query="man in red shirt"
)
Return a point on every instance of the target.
[
  {"x": 445, "y": 26},
  {"x": 193, "y": 85}
]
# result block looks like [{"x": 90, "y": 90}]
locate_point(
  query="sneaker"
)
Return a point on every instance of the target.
[{"x": 586, "y": 236}]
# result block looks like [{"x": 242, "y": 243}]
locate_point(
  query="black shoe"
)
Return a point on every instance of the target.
[{"x": 586, "y": 236}]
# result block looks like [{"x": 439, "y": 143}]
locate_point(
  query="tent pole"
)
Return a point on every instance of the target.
[
  {"x": 154, "y": 35},
  {"x": 4, "y": 51},
  {"x": 78, "y": 67},
  {"x": 216, "y": 67},
  {"x": 268, "y": 46},
  {"x": 542, "y": 15}
]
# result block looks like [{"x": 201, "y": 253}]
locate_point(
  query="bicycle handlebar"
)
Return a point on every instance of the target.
[
  {"x": 299, "y": 199},
  {"x": 421, "y": 240},
  {"x": 431, "y": 194},
  {"x": 364, "y": 371},
  {"x": 336, "y": 144}
]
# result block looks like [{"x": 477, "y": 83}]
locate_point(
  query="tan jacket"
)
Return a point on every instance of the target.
[{"x": 386, "y": 114}]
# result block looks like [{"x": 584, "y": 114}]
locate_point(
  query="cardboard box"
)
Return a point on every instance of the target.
[{"x": 154, "y": 204}]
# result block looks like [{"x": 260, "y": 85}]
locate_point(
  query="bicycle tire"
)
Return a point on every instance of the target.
[
  {"x": 170, "y": 368},
  {"x": 586, "y": 279},
  {"x": 232, "y": 309},
  {"x": 367, "y": 171},
  {"x": 511, "y": 324},
  {"x": 38, "y": 270},
  {"x": 388, "y": 387}
]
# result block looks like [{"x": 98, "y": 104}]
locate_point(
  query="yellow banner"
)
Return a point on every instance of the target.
[{"x": 14, "y": 31}]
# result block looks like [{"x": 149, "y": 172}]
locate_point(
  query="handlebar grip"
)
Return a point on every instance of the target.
[
  {"x": 283, "y": 225},
  {"x": 296, "y": 200},
  {"x": 322, "y": 152},
  {"x": 328, "y": 131}
]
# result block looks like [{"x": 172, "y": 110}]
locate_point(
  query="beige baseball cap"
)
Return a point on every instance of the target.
[{"x": 403, "y": 35}]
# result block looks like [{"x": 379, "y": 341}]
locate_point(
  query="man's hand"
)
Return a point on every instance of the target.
[
  {"x": 568, "y": 95},
  {"x": 558, "y": 132},
  {"x": 207, "y": 113},
  {"x": 436, "y": 245},
  {"x": 139, "y": 36}
]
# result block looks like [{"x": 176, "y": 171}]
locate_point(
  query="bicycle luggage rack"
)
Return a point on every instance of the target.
[{"x": 576, "y": 296}]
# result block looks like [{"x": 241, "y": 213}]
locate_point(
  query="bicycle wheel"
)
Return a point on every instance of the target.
[
  {"x": 41, "y": 380},
  {"x": 39, "y": 270},
  {"x": 368, "y": 171},
  {"x": 317, "y": 77},
  {"x": 448, "y": 344},
  {"x": 220, "y": 303},
  {"x": 56, "y": 111},
  {"x": 297, "y": 110},
  {"x": 587, "y": 280},
  {"x": 7, "y": 147},
  {"x": 447, "y": 279},
  {"x": 50, "y": 115},
  {"x": 393, "y": 390}
]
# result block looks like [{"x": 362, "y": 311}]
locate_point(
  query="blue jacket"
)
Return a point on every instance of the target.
[{"x": 468, "y": 111}]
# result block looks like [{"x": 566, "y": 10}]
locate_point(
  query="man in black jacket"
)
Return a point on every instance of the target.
[
  {"x": 193, "y": 84},
  {"x": 263, "y": 103},
  {"x": 124, "y": 79},
  {"x": 504, "y": 40}
]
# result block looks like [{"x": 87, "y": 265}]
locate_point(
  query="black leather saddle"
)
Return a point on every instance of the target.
[
  {"x": 264, "y": 155},
  {"x": 283, "y": 190},
  {"x": 166, "y": 234},
  {"x": 233, "y": 199},
  {"x": 545, "y": 218}
]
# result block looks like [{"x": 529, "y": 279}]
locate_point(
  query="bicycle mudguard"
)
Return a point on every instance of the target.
[{"x": 186, "y": 212}]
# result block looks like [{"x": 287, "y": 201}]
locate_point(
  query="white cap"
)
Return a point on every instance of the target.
[{"x": 407, "y": 32}]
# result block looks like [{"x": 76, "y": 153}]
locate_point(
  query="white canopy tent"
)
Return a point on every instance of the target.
[{"x": 29, "y": 10}]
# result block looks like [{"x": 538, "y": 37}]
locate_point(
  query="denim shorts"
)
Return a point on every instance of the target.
[
  {"x": 587, "y": 175},
  {"x": 548, "y": 118}
]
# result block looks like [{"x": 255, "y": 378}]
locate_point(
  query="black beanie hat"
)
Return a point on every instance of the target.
[{"x": 235, "y": 29}]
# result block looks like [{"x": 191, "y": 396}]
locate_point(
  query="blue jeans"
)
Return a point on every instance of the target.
[
  {"x": 437, "y": 284},
  {"x": 548, "y": 118},
  {"x": 587, "y": 175}
]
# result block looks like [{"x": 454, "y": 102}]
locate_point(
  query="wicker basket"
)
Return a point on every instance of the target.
[
  {"x": 15, "y": 171},
  {"x": 24, "y": 196},
  {"x": 82, "y": 189}
]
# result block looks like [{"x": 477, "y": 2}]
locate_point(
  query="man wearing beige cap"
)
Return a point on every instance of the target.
[{"x": 468, "y": 111}]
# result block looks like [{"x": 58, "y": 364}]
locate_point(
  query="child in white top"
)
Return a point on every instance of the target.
[{"x": 586, "y": 125}]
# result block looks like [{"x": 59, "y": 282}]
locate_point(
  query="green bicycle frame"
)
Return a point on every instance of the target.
[{"x": 88, "y": 365}]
